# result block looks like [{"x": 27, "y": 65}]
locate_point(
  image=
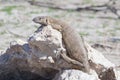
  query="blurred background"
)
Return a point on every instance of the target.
[{"x": 98, "y": 21}]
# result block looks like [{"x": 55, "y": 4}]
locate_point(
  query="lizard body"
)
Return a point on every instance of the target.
[{"x": 73, "y": 42}]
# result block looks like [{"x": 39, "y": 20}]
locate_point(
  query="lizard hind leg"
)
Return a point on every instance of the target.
[{"x": 72, "y": 61}]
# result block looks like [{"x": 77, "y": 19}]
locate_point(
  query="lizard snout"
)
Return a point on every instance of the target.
[
  {"x": 35, "y": 20},
  {"x": 40, "y": 20}
]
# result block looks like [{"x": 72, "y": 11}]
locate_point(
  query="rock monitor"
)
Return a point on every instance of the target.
[{"x": 72, "y": 40}]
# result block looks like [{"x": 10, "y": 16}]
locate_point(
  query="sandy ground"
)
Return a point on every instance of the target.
[{"x": 16, "y": 18}]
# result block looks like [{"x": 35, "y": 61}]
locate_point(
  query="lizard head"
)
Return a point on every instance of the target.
[
  {"x": 46, "y": 20},
  {"x": 43, "y": 20}
]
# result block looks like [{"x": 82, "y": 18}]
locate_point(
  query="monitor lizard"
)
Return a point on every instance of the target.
[{"x": 73, "y": 42}]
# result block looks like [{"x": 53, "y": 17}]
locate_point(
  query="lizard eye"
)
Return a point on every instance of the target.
[
  {"x": 46, "y": 20},
  {"x": 39, "y": 18}
]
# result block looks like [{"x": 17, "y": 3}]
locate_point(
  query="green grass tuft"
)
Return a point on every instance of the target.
[
  {"x": 8, "y": 9},
  {"x": 2, "y": 32},
  {"x": 1, "y": 24},
  {"x": 84, "y": 33}
]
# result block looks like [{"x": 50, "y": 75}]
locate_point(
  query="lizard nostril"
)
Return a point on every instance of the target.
[{"x": 33, "y": 19}]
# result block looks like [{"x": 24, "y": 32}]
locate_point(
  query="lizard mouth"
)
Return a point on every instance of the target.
[{"x": 36, "y": 20}]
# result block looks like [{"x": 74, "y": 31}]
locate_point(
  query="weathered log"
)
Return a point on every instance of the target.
[{"x": 100, "y": 64}]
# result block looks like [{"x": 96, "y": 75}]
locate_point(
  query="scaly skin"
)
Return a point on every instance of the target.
[{"x": 73, "y": 42}]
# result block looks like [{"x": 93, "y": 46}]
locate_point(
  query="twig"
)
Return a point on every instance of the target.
[
  {"x": 102, "y": 46},
  {"x": 14, "y": 34},
  {"x": 97, "y": 8}
]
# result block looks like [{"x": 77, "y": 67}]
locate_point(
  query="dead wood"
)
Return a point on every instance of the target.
[
  {"x": 102, "y": 46},
  {"x": 95, "y": 8}
]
